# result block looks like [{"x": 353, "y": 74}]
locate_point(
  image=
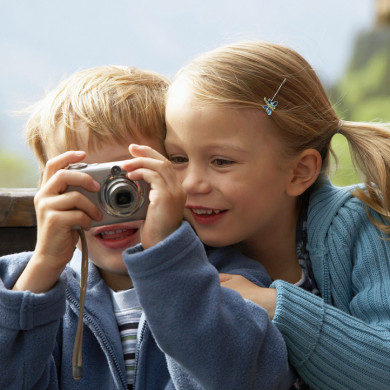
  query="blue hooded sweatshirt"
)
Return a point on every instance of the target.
[{"x": 193, "y": 334}]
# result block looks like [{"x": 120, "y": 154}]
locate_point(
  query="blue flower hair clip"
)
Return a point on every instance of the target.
[{"x": 270, "y": 104}]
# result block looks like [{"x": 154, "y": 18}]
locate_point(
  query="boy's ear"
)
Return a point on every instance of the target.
[{"x": 305, "y": 170}]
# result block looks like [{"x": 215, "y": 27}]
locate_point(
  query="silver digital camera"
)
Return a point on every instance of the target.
[{"x": 119, "y": 198}]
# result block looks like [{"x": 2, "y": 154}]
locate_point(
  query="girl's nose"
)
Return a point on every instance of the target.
[{"x": 195, "y": 181}]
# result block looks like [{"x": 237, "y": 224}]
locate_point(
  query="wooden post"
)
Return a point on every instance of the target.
[{"x": 18, "y": 225}]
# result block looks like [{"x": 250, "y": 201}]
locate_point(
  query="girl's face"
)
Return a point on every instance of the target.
[{"x": 233, "y": 168}]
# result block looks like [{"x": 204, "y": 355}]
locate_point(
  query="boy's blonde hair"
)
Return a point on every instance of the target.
[
  {"x": 101, "y": 104},
  {"x": 241, "y": 75}
]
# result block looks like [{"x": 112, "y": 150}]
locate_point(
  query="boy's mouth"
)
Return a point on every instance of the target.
[{"x": 118, "y": 236}]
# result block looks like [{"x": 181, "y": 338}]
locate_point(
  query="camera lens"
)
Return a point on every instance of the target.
[
  {"x": 120, "y": 196},
  {"x": 123, "y": 198}
]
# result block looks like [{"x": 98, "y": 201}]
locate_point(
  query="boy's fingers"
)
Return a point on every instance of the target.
[
  {"x": 61, "y": 179},
  {"x": 145, "y": 151},
  {"x": 60, "y": 162},
  {"x": 73, "y": 201},
  {"x": 58, "y": 220},
  {"x": 160, "y": 188},
  {"x": 165, "y": 183},
  {"x": 162, "y": 166}
]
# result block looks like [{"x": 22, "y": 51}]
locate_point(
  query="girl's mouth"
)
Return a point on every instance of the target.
[
  {"x": 206, "y": 216},
  {"x": 205, "y": 211}
]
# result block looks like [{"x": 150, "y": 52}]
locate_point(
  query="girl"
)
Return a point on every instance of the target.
[{"x": 249, "y": 128}]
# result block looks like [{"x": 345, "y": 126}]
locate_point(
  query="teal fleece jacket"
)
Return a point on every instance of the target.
[
  {"x": 342, "y": 340},
  {"x": 194, "y": 334}
]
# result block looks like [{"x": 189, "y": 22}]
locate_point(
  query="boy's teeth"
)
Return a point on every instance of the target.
[
  {"x": 205, "y": 211},
  {"x": 111, "y": 233},
  {"x": 118, "y": 231}
]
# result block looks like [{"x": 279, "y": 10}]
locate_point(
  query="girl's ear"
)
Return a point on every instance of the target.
[{"x": 305, "y": 170}]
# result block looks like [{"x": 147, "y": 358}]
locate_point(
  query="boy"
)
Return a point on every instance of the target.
[{"x": 101, "y": 111}]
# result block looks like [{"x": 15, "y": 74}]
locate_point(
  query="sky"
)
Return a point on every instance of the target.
[{"x": 44, "y": 41}]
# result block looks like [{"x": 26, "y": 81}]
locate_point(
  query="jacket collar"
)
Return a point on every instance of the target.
[{"x": 325, "y": 202}]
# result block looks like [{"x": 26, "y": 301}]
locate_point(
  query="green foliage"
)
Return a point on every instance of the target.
[
  {"x": 363, "y": 95},
  {"x": 377, "y": 109},
  {"x": 342, "y": 172},
  {"x": 360, "y": 92},
  {"x": 16, "y": 171}
]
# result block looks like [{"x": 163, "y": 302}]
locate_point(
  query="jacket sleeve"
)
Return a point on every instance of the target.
[
  {"x": 28, "y": 329},
  {"x": 344, "y": 337},
  {"x": 212, "y": 338}
]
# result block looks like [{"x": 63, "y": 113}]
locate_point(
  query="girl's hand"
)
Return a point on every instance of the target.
[
  {"x": 57, "y": 212},
  {"x": 264, "y": 297},
  {"x": 167, "y": 197}
]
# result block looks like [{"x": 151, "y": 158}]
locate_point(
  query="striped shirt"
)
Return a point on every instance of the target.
[{"x": 128, "y": 313}]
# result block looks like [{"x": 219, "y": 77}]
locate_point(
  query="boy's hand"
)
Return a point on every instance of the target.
[
  {"x": 57, "y": 212},
  {"x": 167, "y": 197}
]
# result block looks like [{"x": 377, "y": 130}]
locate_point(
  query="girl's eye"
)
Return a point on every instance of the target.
[
  {"x": 178, "y": 159},
  {"x": 220, "y": 162}
]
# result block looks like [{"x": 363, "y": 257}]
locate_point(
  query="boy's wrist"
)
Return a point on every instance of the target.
[{"x": 38, "y": 276}]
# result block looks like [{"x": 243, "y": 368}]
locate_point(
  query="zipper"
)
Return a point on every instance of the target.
[
  {"x": 140, "y": 337},
  {"x": 99, "y": 333}
]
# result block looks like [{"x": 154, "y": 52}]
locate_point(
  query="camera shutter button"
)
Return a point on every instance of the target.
[{"x": 78, "y": 166}]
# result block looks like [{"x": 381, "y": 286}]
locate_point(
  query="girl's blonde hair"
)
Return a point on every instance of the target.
[
  {"x": 106, "y": 103},
  {"x": 240, "y": 76}
]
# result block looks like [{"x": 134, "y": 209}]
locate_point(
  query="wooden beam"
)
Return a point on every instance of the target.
[
  {"x": 17, "y": 239},
  {"x": 18, "y": 223},
  {"x": 17, "y": 207}
]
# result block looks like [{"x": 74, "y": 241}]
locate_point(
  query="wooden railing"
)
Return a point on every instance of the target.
[{"x": 18, "y": 225}]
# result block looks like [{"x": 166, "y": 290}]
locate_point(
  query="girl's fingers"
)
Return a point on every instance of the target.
[{"x": 224, "y": 277}]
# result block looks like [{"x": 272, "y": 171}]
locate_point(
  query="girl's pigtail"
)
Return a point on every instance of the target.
[{"x": 369, "y": 144}]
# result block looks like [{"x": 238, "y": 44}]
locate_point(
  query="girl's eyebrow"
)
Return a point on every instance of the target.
[
  {"x": 172, "y": 144},
  {"x": 213, "y": 147},
  {"x": 226, "y": 147}
]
